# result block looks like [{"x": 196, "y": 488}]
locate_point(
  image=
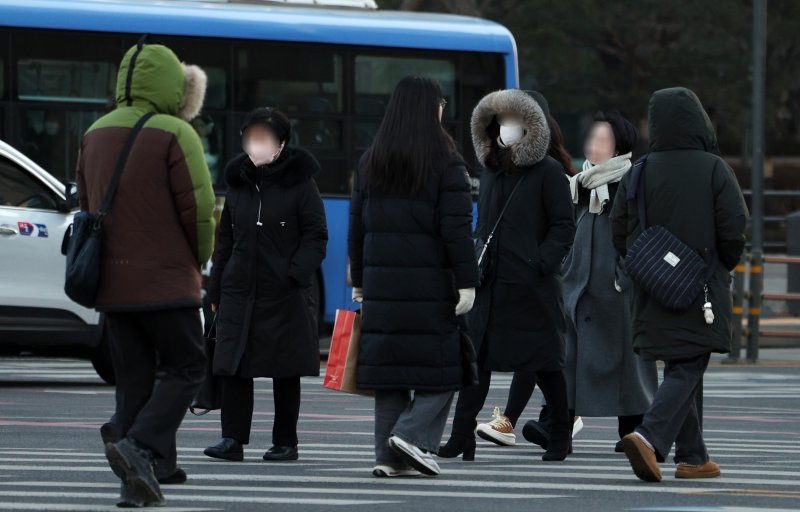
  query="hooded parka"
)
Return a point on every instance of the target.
[
  {"x": 272, "y": 239},
  {"x": 519, "y": 309},
  {"x": 693, "y": 193},
  {"x": 160, "y": 228}
]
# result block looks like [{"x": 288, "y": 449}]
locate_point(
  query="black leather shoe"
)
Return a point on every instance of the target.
[
  {"x": 618, "y": 448},
  {"x": 133, "y": 464},
  {"x": 226, "y": 449},
  {"x": 278, "y": 453},
  {"x": 536, "y": 433},
  {"x": 178, "y": 476}
]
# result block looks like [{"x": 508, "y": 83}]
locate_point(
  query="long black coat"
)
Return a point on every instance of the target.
[
  {"x": 519, "y": 313},
  {"x": 410, "y": 256},
  {"x": 693, "y": 193},
  {"x": 267, "y": 319}
]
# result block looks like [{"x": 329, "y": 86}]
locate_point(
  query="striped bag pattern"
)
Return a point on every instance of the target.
[{"x": 671, "y": 272}]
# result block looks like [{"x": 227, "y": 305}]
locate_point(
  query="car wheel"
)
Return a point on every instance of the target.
[{"x": 101, "y": 359}]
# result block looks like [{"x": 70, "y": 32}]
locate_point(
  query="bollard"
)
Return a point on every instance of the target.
[
  {"x": 754, "y": 311},
  {"x": 738, "y": 311}
]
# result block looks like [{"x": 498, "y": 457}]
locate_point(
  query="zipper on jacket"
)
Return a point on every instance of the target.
[{"x": 258, "y": 221}]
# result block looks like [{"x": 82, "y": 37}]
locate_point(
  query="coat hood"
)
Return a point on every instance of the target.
[
  {"x": 677, "y": 120},
  {"x": 294, "y": 166},
  {"x": 151, "y": 75},
  {"x": 532, "y": 148}
]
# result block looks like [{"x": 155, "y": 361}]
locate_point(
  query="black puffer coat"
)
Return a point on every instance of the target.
[
  {"x": 410, "y": 256},
  {"x": 519, "y": 314},
  {"x": 267, "y": 320},
  {"x": 693, "y": 193}
]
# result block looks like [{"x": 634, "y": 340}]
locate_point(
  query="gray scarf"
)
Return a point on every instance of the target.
[{"x": 596, "y": 179}]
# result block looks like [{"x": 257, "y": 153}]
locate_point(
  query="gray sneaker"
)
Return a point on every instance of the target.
[{"x": 134, "y": 466}]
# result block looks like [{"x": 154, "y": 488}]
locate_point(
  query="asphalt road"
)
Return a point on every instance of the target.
[{"x": 51, "y": 456}]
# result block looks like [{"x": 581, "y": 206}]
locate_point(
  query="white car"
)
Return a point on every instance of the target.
[{"x": 35, "y": 313}]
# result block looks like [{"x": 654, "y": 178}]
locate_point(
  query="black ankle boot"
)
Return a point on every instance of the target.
[
  {"x": 456, "y": 446},
  {"x": 560, "y": 444}
]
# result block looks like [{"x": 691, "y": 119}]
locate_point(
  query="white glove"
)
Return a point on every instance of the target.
[
  {"x": 358, "y": 295},
  {"x": 466, "y": 298}
]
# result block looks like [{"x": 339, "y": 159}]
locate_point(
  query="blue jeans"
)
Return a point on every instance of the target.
[{"x": 418, "y": 419}]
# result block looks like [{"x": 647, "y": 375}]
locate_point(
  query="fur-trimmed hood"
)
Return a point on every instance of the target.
[
  {"x": 532, "y": 148},
  {"x": 294, "y": 165}
]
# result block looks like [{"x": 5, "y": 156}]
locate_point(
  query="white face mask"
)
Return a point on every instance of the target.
[
  {"x": 511, "y": 133},
  {"x": 263, "y": 153}
]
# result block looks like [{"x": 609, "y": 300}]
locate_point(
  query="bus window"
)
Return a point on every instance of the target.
[
  {"x": 51, "y": 137},
  {"x": 212, "y": 56},
  {"x": 273, "y": 75},
  {"x": 334, "y": 179},
  {"x": 210, "y": 128},
  {"x": 77, "y": 69},
  {"x": 317, "y": 134},
  {"x": 377, "y": 75}
]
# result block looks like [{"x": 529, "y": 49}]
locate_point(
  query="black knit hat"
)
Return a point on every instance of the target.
[
  {"x": 625, "y": 134},
  {"x": 272, "y": 119}
]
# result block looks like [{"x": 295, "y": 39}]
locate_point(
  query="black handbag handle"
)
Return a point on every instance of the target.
[{"x": 121, "y": 161}]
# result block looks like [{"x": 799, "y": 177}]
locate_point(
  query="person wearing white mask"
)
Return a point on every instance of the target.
[
  {"x": 272, "y": 239},
  {"x": 518, "y": 322}
]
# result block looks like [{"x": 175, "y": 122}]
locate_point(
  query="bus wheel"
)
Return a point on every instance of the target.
[{"x": 101, "y": 359}]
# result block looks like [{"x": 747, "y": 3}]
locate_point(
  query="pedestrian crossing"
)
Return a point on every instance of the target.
[{"x": 51, "y": 457}]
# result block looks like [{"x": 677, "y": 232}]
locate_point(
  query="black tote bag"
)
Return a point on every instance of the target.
[{"x": 209, "y": 396}]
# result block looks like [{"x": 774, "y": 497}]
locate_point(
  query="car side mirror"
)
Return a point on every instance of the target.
[{"x": 71, "y": 195}]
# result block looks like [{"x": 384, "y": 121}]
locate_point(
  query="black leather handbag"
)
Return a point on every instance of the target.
[
  {"x": 482, "y": 252},
  {"x": 84, "y": 249},
  {"x": 209, "y": 396},
  {"x": 671, "y": 272}
]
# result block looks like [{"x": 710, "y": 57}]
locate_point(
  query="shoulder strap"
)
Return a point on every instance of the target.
[
  {"x": 121, "y": 160},
  {"x": 503, "y": 211},
  {"x": 636, "y": 190}
]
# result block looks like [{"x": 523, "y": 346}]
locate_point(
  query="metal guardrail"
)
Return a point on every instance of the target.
[{"x": 752, "y": 264}]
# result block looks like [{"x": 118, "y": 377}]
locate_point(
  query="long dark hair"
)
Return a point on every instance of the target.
[
  {"x": 411, "y": 143},
  {"x": 557, "y": 149}
]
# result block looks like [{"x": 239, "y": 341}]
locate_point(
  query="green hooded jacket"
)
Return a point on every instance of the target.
[{"x": 160, "y": 228}]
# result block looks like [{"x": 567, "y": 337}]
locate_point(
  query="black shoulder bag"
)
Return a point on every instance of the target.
[
  {"x": 482, "y": 247},
  {"x": 86, "y": 235},
  {"x": 671, "y": 272}
]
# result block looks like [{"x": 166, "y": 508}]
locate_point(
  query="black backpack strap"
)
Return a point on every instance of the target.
[{"x": 121, "y": 160}]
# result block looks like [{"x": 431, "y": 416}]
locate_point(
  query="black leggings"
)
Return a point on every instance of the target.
[
  {"x": 237, "y": 409},
  {"x": 522, "y": 386}
]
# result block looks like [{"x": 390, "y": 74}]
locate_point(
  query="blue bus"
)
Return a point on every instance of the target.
[{"x": 331, "y": 70}]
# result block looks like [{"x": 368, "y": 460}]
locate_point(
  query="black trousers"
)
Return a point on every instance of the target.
[
  {"x": 522, "y": 386},
  {"x": 237, "y": 409},
  {"x": 676, "y": 414},
  {"x": 159, "y": 364}
]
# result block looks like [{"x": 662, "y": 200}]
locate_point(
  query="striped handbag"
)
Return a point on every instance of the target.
[{"x": 671, "y": 272}]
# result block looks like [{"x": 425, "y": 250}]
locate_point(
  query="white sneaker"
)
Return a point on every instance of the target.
[
  {"x": 386, "y": 471},
  {"x": 498, "y": 431},
  {"x": 577, "y": 426},
  {"x": 416, "y": 458}
]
